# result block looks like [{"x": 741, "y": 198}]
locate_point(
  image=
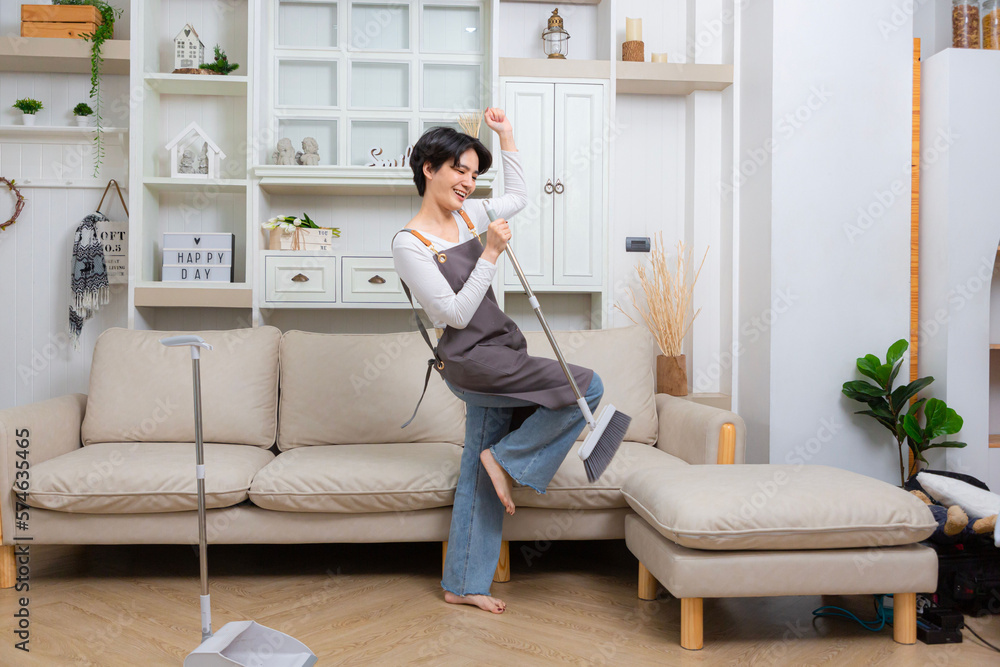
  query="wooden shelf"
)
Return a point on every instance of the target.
[
  {"x": 995, "y": 441},
  {"x": 994, "y": 346},
  {"x": 56, "y": 134},
  {"x": 167, "y": 184},
  {"x": 194, "y": 295},
  {"x": 331, "y": 180},
  {"x": 45, "y": 54},
  {"x": 555, "y": 67},
  {"x": 671, "y": 78},
  {"x": 197, "y": 84}
]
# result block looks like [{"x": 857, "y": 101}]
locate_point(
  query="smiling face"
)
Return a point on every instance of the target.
[{"x": 452, "y": 183}]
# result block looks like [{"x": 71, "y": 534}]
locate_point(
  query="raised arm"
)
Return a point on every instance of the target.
[{"x": 515, "y": 195}]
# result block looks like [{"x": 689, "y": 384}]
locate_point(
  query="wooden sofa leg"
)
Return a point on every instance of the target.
[
  {"x": 727, "y": 445},
  {"x": 502, "y": 574},
  {"x": 647, "y": 584},
  {"x": 904, "y": 618},
  {"x": 691, "y": 623},
  {"x": 444, "y": 554},
  {"x": 8, "y": 568}
]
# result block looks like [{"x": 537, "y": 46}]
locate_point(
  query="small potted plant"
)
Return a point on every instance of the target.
[
  {"x": 29, "y": 107},
  {"x": 83, "y": 112},
  {"x": 221, "y": 64}
]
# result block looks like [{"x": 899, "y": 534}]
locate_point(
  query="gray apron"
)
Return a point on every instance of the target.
[{"x": 490, "y": 355}]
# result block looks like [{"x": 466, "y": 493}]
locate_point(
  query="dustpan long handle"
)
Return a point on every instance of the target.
[
  {"x": 206, "y": 621},
  {"x": 533, "y": 300}
]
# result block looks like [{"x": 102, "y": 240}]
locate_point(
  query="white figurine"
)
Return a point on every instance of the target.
[
  {"x": 203, "y": 159},
  {"x": 186, "y": 165},
  {"x": 311, "y": 155},
  {"x": 285, "y": 153}
]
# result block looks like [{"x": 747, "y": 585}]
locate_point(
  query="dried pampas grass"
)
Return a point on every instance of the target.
[
  {"x": 470, "y": 123},
  {"x": 668, "y": 296}
]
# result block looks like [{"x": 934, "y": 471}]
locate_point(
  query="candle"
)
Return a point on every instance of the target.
[
  {"x": 633, "y": 30},
  {"x": 659, "y": 57}
]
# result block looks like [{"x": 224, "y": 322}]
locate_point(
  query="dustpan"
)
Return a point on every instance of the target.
[{"x": 242, "y": 643}]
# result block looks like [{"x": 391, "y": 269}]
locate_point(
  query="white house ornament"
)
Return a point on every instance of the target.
[
  {"x": 194, "y": 155},
  {"x": 189, "y": 51}
]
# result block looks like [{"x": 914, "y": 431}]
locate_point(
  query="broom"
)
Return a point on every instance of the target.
[{"x": 608, "y": 430}]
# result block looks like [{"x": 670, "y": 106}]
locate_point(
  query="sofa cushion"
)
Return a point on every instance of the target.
[
  {"x": 132, "y": 477},
  {"x": 775, "y": 507},
  {"x": 569, "y": 488},
  {"x": 142, "y": 391},
  {"x": 388, "y": 477},
  {"x": 344, "y": 389},
  {"x": 625, "y": 358}
]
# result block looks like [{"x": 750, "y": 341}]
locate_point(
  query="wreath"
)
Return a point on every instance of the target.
[{"x": 17, "y": 207}]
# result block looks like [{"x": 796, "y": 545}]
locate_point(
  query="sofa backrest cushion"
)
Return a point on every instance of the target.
[
  {"x": 141, "y": 391},
  {"x": 625, "y": 358},
  {"x": 347, "y": 389}
]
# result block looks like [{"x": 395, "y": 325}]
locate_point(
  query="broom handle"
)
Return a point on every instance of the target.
[
  {"x": 533, "y": 300},
  {"x": 206, "y": 609}
]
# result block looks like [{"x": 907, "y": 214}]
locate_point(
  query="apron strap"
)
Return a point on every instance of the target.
[
  {"x": 435, "y": 361},
  {"x": 472, "y": 227}
]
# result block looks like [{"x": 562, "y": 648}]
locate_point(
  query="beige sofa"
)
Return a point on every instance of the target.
[{"x": 321, "y": 460}]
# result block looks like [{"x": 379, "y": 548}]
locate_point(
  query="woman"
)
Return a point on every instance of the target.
[{"x": 481, "y": 353}]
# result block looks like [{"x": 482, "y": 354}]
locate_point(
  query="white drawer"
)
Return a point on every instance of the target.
[
  {"x": 371, "y": 280},
  {"x": 300, "y": 279}
]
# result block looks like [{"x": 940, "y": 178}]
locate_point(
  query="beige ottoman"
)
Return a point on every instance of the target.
[{"x": 710, "y": 531}]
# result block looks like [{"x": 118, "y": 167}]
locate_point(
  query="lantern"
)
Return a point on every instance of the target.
[{"x": 555, "y": 39}]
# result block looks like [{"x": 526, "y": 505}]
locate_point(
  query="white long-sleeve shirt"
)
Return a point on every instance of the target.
[{"x": 417, "y": 266}]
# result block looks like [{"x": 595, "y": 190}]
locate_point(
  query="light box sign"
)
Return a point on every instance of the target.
[{"x": 191, "y": 257}]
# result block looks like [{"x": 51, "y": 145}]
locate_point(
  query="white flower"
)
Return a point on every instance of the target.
[
  {"x": 287, "y": 226},
  {"x": 274, "y": 220},
  {"x": 268, "y": 225},
  {"x": 297, "y": 222}
]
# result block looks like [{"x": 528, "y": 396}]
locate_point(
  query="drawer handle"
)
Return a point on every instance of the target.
[
  {"x": 559, "y": 187},
  {"x": 548, "y": 187},
  {"x": 299, "y": 278},
  {"x": 377, "y": 280}
]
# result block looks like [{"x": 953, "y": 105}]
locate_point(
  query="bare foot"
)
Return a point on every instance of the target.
[
  {"x": 502, "y": 482},
  {"x": 495, "y": 605}
]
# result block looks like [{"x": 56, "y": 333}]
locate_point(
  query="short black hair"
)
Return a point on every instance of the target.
[{"x": 443, "y": 144}]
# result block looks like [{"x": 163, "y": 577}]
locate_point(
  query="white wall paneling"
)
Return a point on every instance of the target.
[{"x": 53, "y": 165}]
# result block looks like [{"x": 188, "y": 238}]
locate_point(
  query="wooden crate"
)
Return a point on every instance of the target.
[
  {"x": 66, "y": 21},
  {"x": 300, "y": 239}
]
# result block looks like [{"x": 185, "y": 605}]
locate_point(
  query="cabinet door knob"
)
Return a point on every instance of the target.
[
  {"x": 548, "y": 187},
  {"x": 377, "y": 280},
  {"x": 300, "y": 278},
  {"x": 559, "y": 188}
]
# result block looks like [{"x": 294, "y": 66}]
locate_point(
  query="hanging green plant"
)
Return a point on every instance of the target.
[
  {"x": 221, "y": 64},
  {"x": 103, "y": 33}
]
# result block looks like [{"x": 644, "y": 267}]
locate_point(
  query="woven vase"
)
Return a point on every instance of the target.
[
  {"x": 634, "y": 51},
  {"x": 671, "y": 375}
]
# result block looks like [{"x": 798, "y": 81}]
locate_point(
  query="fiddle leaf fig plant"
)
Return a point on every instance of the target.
[{"x": 888, "y": 406}]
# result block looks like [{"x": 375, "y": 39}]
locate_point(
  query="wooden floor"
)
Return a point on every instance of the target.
[{"x": 381, "y": 604}]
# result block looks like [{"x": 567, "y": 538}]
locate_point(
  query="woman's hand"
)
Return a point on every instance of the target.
[
  {"x": 497, "y": 235},
  {"x": 497, "y": 121}
]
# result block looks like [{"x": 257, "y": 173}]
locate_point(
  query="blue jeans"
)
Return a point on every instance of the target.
[{"x": 531, "y": 455}]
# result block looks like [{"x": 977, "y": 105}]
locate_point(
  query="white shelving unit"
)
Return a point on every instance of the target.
[{"x": 161, "y": 203}]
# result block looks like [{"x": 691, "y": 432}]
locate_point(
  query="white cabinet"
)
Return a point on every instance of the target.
[{"x": 559, "y": 235}]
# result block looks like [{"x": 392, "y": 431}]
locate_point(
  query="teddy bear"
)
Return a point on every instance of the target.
[{"x": 962, "y": 510}]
